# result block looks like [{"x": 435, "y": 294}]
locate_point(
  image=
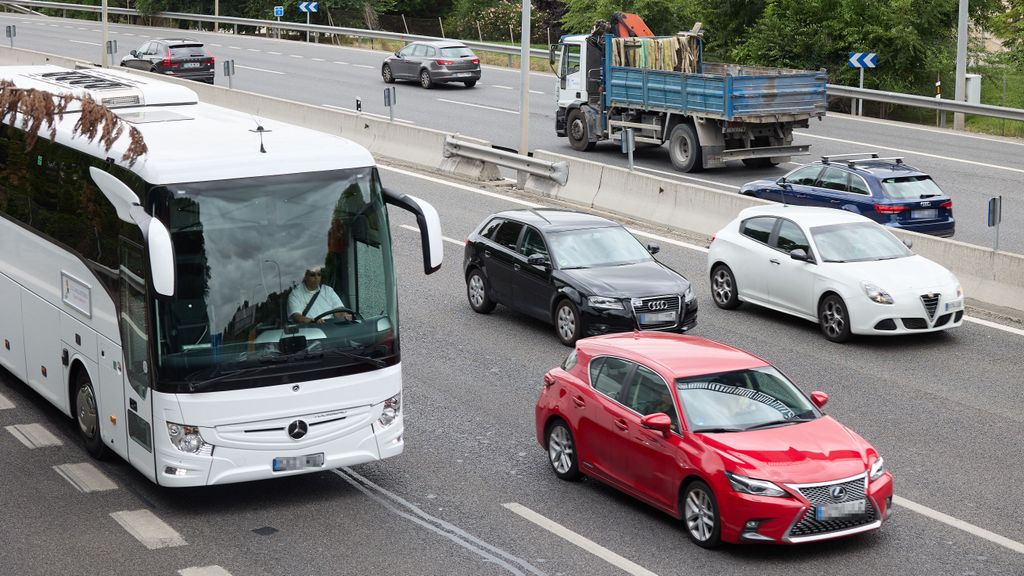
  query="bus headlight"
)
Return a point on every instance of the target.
[
  {"x": 185, "y": 438},
  {"x": 392, "y": 408}
]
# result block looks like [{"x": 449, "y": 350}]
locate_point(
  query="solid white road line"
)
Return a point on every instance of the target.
[
  {"x": 482, "y": 192},
  {"x": 204, "y": 571},
  {"x": 959, "y": 524},
  {"x": 85, "y": 477},
  {"x": 916, "y": 153},
  {"x": 259, "y": 69},
  {"x": 445, "y": 238},
  {"x": 587, "y": 544},
  {"x": 516, "y": 112},
  {"x": 34, "y": 435},
  {"x": 686, "y": 245},
  {"x": 5, "y": 404},
  {"x": 84, "y": 42},
  {"x": 995, "y": 325},
  {"x": 151, "y": 531},
  {"x": 502, "y": 87}
]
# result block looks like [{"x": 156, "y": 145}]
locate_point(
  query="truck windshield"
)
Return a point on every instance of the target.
[{"x": 279, "y": 279}]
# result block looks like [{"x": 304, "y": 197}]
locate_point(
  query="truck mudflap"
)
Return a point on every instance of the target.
[{"x": 765, "y": 152}]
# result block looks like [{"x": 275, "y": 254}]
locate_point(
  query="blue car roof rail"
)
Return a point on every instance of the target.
[{"x": 860, "y": 155}]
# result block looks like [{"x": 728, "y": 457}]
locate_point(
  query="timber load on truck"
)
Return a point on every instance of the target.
[{"x": 621, "y": 76}]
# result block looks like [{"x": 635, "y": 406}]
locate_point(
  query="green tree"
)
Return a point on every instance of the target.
[
  {"x": 662, "y": 16},
  {"x": 1008, "y": 26}
]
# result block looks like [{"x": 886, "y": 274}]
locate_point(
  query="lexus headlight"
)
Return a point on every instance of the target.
[
  {"x": 745, "y": 485},
  {"x": 185, "y": 438},
  {"x": 875, "y": 294},
  {"x": 604, "y": 302},
  {"x": 392, "y": 408},
  {"x": 878, "y": 468}
]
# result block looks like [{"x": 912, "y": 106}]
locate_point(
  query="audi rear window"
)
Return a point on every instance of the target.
[{"x": 910, "y": 188}]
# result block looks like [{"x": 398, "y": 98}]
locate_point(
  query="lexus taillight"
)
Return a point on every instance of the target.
[
  {"x": 889, "y": 208},
  {"x": 444, "y": 62},
  {"x": 948, "y": 204}
]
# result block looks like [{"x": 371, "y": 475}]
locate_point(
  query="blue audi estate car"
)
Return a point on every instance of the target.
[{"x": 886, "y": 190}]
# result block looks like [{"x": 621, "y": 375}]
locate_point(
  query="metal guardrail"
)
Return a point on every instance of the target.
[
  {"x": 557, "y": 171},
  {"x": 832, "y": 89}
]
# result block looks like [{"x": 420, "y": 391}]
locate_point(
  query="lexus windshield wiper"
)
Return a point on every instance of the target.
[
  {"x": 778, "y": 423},
  {"x": 703, "y": 430}
]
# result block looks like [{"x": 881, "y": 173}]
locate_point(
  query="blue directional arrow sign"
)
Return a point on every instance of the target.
[
  {"x": 278, "y": 11},
  {"x": 309, "y": 6},
  {"x": 862, "y": 60}
]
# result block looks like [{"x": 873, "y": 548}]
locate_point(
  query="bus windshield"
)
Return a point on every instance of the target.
[{"x": 280, "y": 279}]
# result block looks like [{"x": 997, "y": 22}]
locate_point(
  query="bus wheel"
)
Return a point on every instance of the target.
[{"x": 87, "y": 416}]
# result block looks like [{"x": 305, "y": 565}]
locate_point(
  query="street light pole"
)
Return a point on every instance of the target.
[
  {"x": 106, "y": 36},
  {"x": 524, "y": 91},
  {"x": 961, "y": 64}
]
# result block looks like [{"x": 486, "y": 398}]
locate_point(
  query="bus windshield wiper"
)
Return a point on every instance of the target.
[
  {"x": 375, "y": 362},
  {"x": 195, "y": 385}
]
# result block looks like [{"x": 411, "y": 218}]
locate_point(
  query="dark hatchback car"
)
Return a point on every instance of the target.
[
  {"x": 178, "y": 57},
  {"x": 585, "y": 274},
  {"x": 432, "y": 63},
  {"x": 886, "y": 190}
]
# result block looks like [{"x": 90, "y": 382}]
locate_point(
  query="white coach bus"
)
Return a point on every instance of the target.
[{"x": 158, "y": 304}]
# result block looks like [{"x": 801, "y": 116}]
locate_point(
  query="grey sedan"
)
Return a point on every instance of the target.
[{"x": 431, "y": 63}]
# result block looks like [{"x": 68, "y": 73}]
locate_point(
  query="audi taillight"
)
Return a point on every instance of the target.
[
  {"x": 476, "y": 60},
  {"x": 444, "y": 62},
  {"x": 948, "y": 204},
  {"x": 889, "y": 208}
]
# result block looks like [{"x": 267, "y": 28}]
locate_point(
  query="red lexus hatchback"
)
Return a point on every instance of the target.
[{"x": 712, "y": 435}]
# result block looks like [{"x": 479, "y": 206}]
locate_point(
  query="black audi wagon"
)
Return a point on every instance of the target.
[{"x": 585, "y": 274}]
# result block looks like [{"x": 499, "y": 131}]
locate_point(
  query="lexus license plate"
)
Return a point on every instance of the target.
[
  {"x": 840, "y": 509},
  {"x": 285, "y": 463},
  {"x": 925, "y": 214},
  {"x": 954, "y": 305},
  {"x": 657, "y": 317}
]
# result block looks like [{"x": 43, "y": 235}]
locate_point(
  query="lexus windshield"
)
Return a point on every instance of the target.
[
  {"x": 595, "y": 247},
  {"x": 279, "y": 279},
  {"x": 857, "y": 242},
  {"x": 742, "y": 400}
]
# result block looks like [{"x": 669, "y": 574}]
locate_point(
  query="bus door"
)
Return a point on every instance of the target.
[{"x": 135, "y": 345}]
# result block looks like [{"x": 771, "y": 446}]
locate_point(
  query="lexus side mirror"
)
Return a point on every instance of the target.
[
  {"x": 799, "y": 254},
  {"x": 659, "y": 421},
  {"x": 653, "y": 248},
  {"x": 819, "y": 399},
  {"x": 538, "y": 260}
]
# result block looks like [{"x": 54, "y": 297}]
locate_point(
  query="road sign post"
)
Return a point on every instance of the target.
[
  {"x": 229, "y": 71},
  {"x": 112, "y": 49},
  {"x": 390, "y": 99},
  {"x": 308, "y": 8},
  {"x": 628, "y": 145},
  {"x": 995, "y": 216},
  {"x": 278, "y": 12},
  {"x": 12, "y": 31},
  {"x": 862, "y": 60}
]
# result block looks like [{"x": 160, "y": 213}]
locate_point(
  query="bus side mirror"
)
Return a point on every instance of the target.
[
  {"x": 430, "y": 227},
  {"x": 158, "y": 238}
]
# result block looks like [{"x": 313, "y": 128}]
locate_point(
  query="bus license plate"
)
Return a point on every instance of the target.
[
  {"x": 657, "y": 317},
  {"x": 285, "y": 463},
  {"x": 926, "y": 214},
  {"x": 840, "y": 510}
]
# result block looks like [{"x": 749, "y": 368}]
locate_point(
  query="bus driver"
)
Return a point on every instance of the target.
[{"x": 312, "y": 299}]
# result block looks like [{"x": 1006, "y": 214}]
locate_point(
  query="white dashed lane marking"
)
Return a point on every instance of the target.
[
  {"x": 34, "y": 435},
  {"x": 204, "y": 571},
  {"x": 5, "y": 404},
  {"x": 258, "y": 69},
  {"x": 84, "y": 42},
  {"x": 151, "y": 531},
  {"x": 445, "y": 238},
  {"x": 363, "y": 66},
  {"x": 85, "y": 477}
]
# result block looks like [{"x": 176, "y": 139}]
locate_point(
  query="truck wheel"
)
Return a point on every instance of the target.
[
  {"x": 684, "y": 149},
  {"x": 579, "y": 133}
]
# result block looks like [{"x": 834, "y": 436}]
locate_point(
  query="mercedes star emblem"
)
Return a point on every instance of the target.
[{"x": 298, "y": 429}]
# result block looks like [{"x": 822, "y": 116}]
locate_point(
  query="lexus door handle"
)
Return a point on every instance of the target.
[
  {"x": 774, "y": 261},
  {"x": 621, "y": 425},
  {"x": 579, "y": 401}
]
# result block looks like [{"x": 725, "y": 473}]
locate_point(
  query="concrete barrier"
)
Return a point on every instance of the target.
[{"x": 995, "y": 278}]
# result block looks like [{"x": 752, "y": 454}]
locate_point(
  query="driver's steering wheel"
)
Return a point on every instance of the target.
[{"x": 355, "y": 316}]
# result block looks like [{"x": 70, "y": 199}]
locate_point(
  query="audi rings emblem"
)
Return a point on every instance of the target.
[
  {"x": 298, "y": 429},
  {"x": 838, "y": 493},
  {"x": 658, "y": 305}
]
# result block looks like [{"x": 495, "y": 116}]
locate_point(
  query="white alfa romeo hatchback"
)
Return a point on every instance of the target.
[{"x": 836, "y": 268}]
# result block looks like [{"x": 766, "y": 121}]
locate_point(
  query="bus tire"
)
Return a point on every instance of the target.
[
  {"x": 87, "y": 416},
  {"x": 684, "y": 149}
]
